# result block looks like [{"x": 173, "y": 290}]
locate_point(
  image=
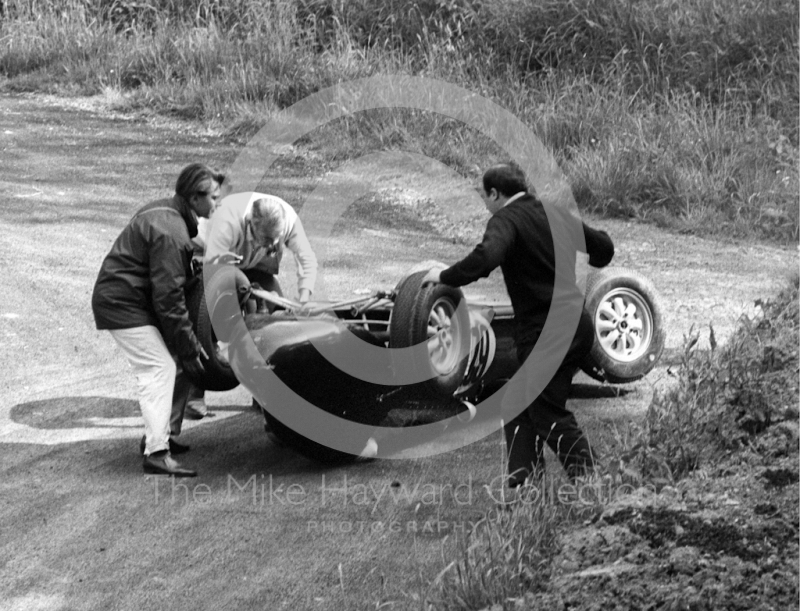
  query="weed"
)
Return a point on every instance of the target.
[
  {"x": 723, "y": 51},
  {"x": 682, "y": 114},
  {"x": 722, "y": 399},
  {"x": 507, "y": 555}
]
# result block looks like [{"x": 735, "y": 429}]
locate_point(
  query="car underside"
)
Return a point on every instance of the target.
[{"x": 423, "y": 347}]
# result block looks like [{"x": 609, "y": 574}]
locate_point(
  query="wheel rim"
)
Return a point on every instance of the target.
[
  {"x": 444, "y": 337},
  {"x": 623, "y": 323}
]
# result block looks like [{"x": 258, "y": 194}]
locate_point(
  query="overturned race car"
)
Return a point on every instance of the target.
[{"x": 447, "y": 354}]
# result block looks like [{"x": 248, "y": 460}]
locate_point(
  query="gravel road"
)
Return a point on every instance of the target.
[{"x": 261, "y": 527}]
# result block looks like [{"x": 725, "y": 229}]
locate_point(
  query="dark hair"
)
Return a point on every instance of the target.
[
  {"x": 506, "y": 178},
  {"x": 196, "y": 179}
]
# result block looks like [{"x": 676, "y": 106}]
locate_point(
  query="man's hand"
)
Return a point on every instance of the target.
[
  {"x": 431, "y": 277},
  {"x": 305, "y": 309},
  {"x": 227, "y": 259},
  {"x": 303, "y": 296},
  {"x": 194, "y": 368}
]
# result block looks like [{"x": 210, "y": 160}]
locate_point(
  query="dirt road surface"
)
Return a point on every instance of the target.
[{"x": 261, "y": 527}]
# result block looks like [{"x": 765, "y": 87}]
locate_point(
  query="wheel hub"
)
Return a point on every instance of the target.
[
  {"x": 624, "y": 324},
  {"x": 442, "y": 338}
]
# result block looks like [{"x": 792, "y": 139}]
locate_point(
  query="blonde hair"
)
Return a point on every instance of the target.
[{"x": 269, "y": 218}]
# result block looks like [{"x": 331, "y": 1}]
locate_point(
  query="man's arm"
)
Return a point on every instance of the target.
[
  {"x": 485, "y": 257},
  {"x": 168, "y": 280},
  {"x": 221, "y": 237},
  {"x": 599, "y": 246},
  {"x": 298, "y": 243}
]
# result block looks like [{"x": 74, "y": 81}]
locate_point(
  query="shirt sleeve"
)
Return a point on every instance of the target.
[
  {"x": 168, "y": 264},
  {"x": 485, "y": 257},
  {"x": 220, "y": 235},
  {"x": 599, "y": 246},
  {"x": 297, "y": 242}
]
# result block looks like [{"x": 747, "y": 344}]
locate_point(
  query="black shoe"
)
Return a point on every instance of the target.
[
  {"x": 177, "y": 448},
  {"x": 197, "y": 416},
  {"x": 174, "y": 447},
  {"x": 162, "y": 463}
]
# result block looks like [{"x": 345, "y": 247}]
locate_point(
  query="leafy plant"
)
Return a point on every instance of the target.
[
  {"x": 682, "y": 114},
  {"x": 723, "y": 398}
]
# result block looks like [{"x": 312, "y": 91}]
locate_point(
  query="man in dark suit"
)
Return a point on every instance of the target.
[{"x": 520, "y": 241}]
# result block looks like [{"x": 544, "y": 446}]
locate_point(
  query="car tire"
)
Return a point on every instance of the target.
[
  {"x": 305, "y": 446},
  {"x": 218, "y": 373},
  {"x": 628, "y": 324},
  {"x": 422, "y": 313},
  {"x": 319, "y": 382}
]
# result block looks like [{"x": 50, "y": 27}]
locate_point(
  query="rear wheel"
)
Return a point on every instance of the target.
[{"x": 628, "y": 325}]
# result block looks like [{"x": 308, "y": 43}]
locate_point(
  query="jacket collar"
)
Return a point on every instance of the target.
[
  {"x": 189, "y": 217},
  {"x": 515, "y": 197}
]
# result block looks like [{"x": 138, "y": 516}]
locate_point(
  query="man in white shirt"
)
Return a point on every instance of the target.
[
  {"x": 250, "y": 230},
  {"x": 255, "y": 228}
]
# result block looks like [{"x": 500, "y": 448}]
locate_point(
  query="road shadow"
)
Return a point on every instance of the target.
[
  {"x": 597, "y": 391},
  {"x": 229, "y": 447},
  {"x": 85, "y": 412},
  {"x": 73, "y": 412}
]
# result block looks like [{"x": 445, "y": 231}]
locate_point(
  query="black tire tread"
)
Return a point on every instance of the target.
[
  {"x": 218, "y": 375},
  {"x": 305, "y": 446},
  {"x": 597, "y": 364},
  {"x": 409, "y": 322}
]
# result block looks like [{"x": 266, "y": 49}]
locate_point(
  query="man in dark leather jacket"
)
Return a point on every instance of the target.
[
  {"x": 139, "y": 297},
  {"x": 519, "y": 240}
]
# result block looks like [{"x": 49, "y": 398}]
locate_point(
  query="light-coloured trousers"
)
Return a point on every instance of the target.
[{"x": 163, "y": 389}]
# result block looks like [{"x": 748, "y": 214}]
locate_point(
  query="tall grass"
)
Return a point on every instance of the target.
[
  {"x": 726, "y": 398},
  {"x": 680, "y": 113},
  {"x": 508, "y": 555}
]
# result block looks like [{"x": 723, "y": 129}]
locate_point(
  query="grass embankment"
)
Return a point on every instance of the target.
[
  {"x": 679, "y": 113},
  {"x": 735, "y": 401}
]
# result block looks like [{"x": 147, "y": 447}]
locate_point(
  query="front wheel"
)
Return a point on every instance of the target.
[
  {"x": 628, "y": 325},
  {"x": 437, "y": 315},
  {"x": 227, "y": 284}
]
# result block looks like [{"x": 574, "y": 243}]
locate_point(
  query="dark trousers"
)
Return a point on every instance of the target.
[
  {"x": 181, "y": 394},
  {"x": 547, "y": 419},
  {"x": 267, "y": 281}
]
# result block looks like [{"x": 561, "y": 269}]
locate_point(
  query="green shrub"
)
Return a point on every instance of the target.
[
  {"x": 724, "y": 51},
  {"x": 687, "y": 166},
  {"x": 723, "y": 399},
  {"x": 678, "y": 113}
]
